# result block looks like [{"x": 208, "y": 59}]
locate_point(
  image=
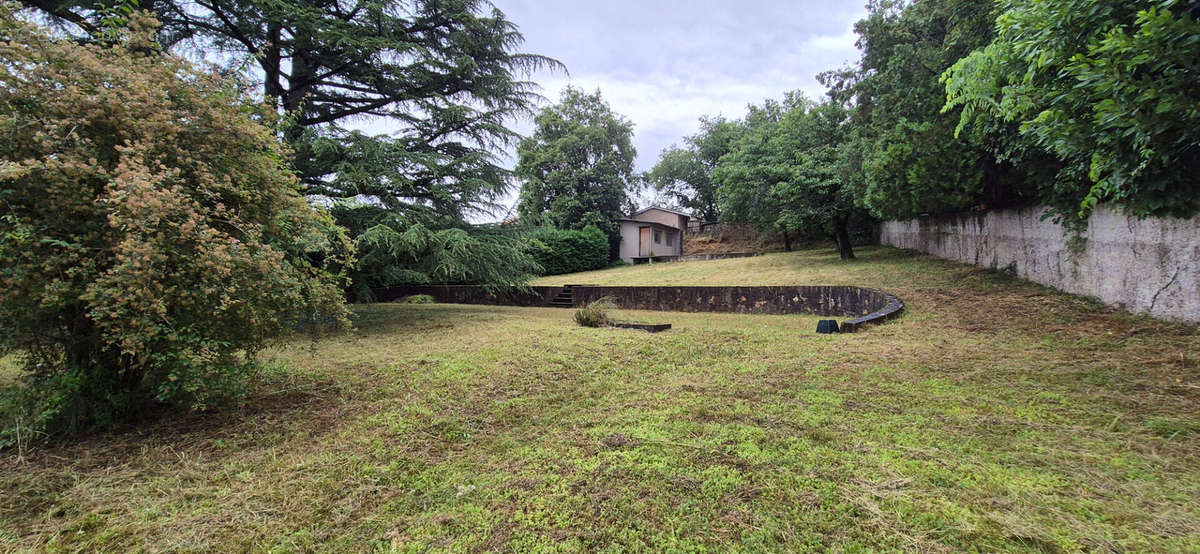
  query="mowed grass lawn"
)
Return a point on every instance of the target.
[{"x": 994, "y": 415}]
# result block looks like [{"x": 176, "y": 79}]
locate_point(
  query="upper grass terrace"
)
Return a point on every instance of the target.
[{"x": 994, "y": 415}]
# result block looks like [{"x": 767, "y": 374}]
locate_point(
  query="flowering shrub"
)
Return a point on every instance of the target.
[{"x": 152, "y": 237}]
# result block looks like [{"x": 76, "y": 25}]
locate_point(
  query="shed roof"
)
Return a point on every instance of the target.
[
  {"x": 645, "y": 223},
  {"x": 676, "y": 212}
]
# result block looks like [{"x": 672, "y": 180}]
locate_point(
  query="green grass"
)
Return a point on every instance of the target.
[
  {"x": 10, "y": 370},
  {"x": 875, "y": 267},
  {"x": 994, "y": 415}
]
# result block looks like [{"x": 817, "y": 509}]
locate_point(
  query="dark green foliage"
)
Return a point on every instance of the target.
[
  {"x": 745, "y": 182},
  {"x": 1067, "y": 103},
  {"x": 443, "y": 72},
  {"x": 903, "y": 157},
  {"x": 394, "y": 249},
  {"x": 577, "y": 166},
  {"x": 1110, "y": 88},
  {"x": 152, "y": 236},
  {"x": 686, "y": 174},
  {"x": 446, "y": 76},
  {"x": 561, "y": 251},
  {"x": 787, "y": 173}
]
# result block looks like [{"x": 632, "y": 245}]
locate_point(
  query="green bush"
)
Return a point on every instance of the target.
[
  {"x": 1109, "y": 87},
  {"x": 561, "y": 251},
  {"x": 152, "y": 235},
  {"x": 418, "y": 299},
  {"x": 596, "y": 313}
]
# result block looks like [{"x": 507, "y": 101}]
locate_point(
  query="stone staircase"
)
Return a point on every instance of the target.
[{"x": 565, "y": 297}]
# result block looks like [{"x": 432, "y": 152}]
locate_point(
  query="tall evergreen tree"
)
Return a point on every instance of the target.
[
  {"x": 577, "y": 166},
  {"x": 444, "y": 72}
]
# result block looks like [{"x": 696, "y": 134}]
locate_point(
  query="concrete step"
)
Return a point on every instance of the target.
[{"x": 564, "y": 299}]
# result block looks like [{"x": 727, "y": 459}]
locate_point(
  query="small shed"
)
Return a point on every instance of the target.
[{"x": 653, "y": 234}]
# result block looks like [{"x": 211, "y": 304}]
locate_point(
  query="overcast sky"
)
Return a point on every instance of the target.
[{"x": 665, "y": 63}]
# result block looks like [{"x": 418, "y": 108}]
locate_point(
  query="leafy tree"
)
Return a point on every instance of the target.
[
  {"x": 686, "y": 173},
  {"x": 787, "y": 173},
  {"x": 747, "y": 179},
  {"x": 443, "y": 73},
  {"x": 681, "y": 175},
  {"x": 152, "y": 236},
  {"x": 577, "y": 166},
  {"x": 1110, "y": 88},
  {"x": 817, "y": 195},
  {"x": 904, "y": 152}
]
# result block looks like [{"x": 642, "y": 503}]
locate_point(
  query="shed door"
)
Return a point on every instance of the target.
[{"x": 644, "y": 241}]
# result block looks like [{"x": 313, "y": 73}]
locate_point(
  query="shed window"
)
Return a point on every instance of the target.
[
  {"x": 657, "y": 236},
  {"x": 670, "y": 239}
]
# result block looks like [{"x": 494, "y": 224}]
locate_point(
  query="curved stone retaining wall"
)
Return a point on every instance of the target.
[
  {"x": 455, "y": 294},
  {"x": 865, "y": 305},
  {"x": 717, "y": 256},
  {"x": 888, "y": 306}
]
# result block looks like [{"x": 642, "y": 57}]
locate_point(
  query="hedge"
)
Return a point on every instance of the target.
[{"x": 561, "y": 251}]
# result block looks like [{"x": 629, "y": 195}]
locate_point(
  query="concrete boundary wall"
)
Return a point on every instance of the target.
[
  {"x": 865, "y": 306},
  {"x": 1149, "y": 266}
]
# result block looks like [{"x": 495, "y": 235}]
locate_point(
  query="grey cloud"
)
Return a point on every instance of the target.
[{"x": 664, "y": 64}]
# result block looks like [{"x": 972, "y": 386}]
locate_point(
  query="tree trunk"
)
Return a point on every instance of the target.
[
  {"x": 272, "y": 63},
  {"x": 787, "y": 241},
  {"x": 843, "y": 237}
]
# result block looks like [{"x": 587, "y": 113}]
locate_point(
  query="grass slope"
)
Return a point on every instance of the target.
[{"x": 995, "y": 415}]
